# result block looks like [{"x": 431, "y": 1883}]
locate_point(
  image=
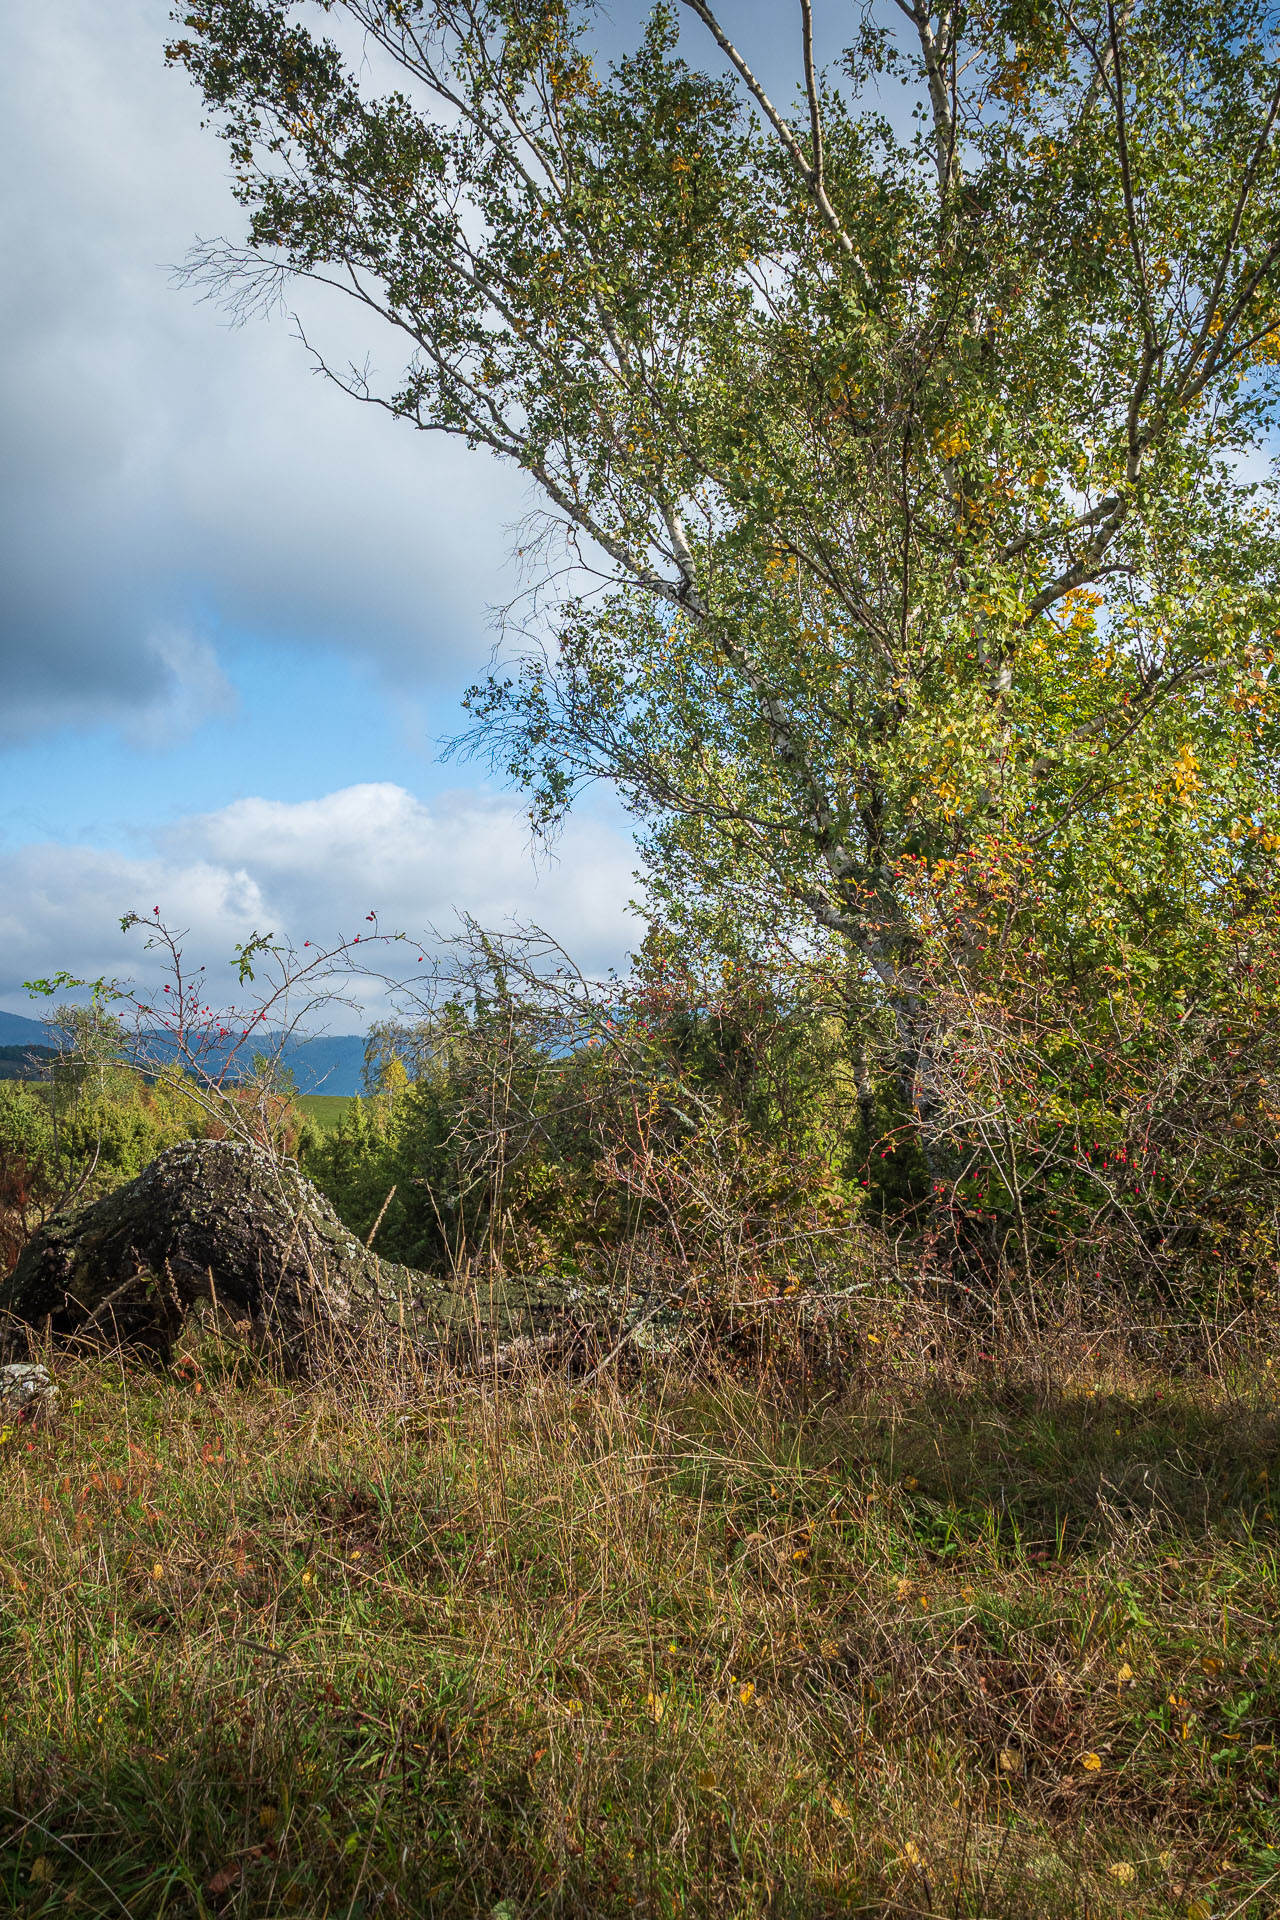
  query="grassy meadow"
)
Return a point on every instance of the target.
[
  {"x": 964, "y": 1638},
  {"x": 325, "y": 1109}
]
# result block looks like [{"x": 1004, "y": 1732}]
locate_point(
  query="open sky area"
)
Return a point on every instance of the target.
[{"x": 238, "y": 611}]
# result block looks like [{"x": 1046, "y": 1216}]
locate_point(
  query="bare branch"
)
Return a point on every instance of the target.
[
  {"x": 811, "y": 175},
  {"x": 937, "y": 50},
  {"x": 1152, "y": 353},
  {"x": 1103, "y": 510},
  {"x": 811, "y": 88},
  {"x": 1233, "y": 231}
]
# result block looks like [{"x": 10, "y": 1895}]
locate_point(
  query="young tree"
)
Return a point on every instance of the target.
[{"x": 909, "y": 481}]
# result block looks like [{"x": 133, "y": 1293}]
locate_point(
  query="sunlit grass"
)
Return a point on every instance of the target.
[
  {"x": 325, "y": 1109},
  {"x": 949, "y": 1646}
]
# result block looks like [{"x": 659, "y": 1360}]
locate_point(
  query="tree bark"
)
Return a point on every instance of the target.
[{"x": 218, "y": 1222}]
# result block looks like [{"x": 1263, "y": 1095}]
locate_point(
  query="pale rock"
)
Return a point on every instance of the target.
[{"x": 27, "y": 1392}]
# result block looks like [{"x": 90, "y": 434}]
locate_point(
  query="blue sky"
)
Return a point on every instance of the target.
[
  {"x": 238, "y": 611},
  {"x": 295, "y": 715}
]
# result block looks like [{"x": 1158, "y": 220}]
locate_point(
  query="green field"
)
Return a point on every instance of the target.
[{"x": 326, "y": 1109}]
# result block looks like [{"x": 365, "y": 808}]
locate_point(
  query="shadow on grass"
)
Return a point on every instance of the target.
[{"x": 1054, "y": 1473}]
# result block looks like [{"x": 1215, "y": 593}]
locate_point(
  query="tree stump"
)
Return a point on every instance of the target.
[{"x": 221, "y": 1222}]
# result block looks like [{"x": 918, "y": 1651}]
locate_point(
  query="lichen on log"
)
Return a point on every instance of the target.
[{"x": 223, "y": 1223}]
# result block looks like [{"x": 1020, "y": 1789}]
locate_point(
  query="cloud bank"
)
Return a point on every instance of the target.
[
  {"x": 312, "y": 870},
  {"x": 168, "y": 480}
]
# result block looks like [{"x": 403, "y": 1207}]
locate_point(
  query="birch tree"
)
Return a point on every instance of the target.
[{"x": 910, "y": 485}]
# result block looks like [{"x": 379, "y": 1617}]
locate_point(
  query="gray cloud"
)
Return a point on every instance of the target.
[{"x": 166, "y": 477}]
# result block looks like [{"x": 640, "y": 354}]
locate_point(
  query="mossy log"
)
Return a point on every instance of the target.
[{"x": 222, "y": 1224}]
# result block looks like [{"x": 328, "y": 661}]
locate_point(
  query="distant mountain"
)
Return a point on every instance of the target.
[
  {"x": 325, "y": 1063},
  {"x": 330, "y": 1063},
  {"x": 25, "y": 1062},
  {"x": 17, "y": 1031}
]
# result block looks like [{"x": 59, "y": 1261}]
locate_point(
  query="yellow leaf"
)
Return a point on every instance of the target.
[
  {"x": 1010, "y": 1760},
  {"x": 911, "y": 1854},
  {"x": 1121, "y": 1870},
  {"x": 40, "y": 1872},
  {"x": 1125, "y": 1673},
  {"x": 748, "y": 1693},
  {"x": 1091, "y": 1762}
]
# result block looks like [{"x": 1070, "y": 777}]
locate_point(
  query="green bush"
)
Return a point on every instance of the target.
[
  {"x": 64, "y": 1136},
  {"x": 717, "y": 1135}
]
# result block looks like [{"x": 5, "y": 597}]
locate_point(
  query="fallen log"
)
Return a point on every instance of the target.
[{"x": 221, "y": 1223}]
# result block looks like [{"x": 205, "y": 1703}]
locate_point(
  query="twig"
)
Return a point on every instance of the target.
[{"x": 381, "y": 1210}]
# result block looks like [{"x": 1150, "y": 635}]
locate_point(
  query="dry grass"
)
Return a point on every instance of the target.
[{"x": 961, "y": 1641}]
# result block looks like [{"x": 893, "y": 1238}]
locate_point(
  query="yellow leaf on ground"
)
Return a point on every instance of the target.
[{"x": 1091, "y": 1762}]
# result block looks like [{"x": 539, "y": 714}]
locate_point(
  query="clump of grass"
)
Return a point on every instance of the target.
[{"x": 959, "y": 1642}]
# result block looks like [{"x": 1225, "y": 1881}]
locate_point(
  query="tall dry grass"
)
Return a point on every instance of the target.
[{"x": 972, "y": 1630}]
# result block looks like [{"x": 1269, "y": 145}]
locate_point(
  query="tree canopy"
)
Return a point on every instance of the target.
[{"x": 902, "y": 442}]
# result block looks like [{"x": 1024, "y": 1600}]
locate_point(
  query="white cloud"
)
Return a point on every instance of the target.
[{"x": 312, "y": 870}]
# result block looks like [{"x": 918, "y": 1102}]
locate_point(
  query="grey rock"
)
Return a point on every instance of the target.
[{"x": 27, "y": 1392}]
